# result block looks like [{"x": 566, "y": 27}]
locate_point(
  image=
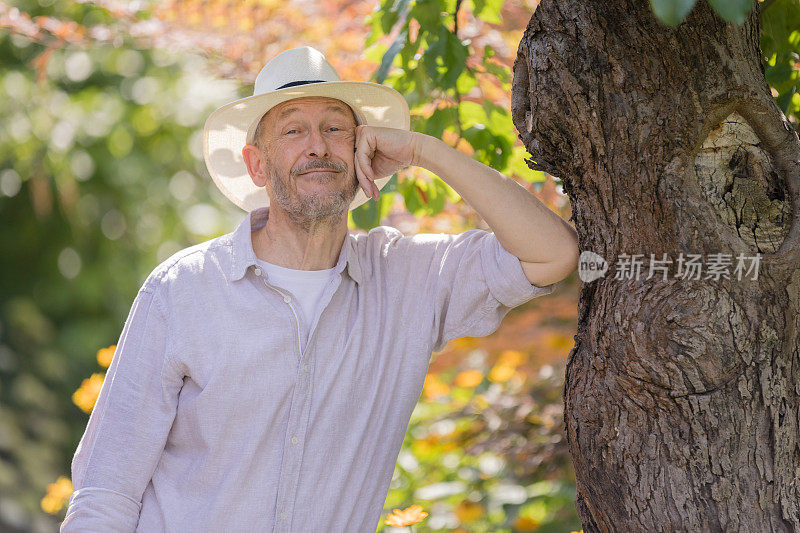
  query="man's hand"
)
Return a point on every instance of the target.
[{"x": 381, "y": 152}]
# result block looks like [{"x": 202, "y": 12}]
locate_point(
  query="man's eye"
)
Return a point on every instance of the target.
[{"x": 290, "y": 131}]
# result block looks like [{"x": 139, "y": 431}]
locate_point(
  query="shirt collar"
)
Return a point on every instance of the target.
[{"x": 243, "y": 256}]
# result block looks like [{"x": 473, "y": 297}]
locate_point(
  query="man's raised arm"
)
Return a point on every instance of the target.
[{"x": 546, "y": 245}]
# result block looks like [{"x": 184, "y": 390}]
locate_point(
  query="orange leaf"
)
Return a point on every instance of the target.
[
  {"x": 469, "y": 378},
  {"x": 468, "y": 511},
  {"x": 501, "y": 372},
  {"x": 105, "y": 355},
  {"x": 406, "y": 517},
  {"x": 525, "y": 523},
  {"x": 86, "y": 395},
  {"x": 433, "y": 387}
]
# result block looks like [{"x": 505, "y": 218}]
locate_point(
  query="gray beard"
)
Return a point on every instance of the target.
[{"x": 314, "y": 210}]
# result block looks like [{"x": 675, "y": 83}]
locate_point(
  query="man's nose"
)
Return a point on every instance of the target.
[{"x": 317, "y": 145}]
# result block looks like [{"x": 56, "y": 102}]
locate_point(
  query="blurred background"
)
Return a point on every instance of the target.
[{"x": 102, "y": 177}]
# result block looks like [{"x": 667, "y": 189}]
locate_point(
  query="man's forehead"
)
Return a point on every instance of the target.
[{"x": 296, "y": 104}]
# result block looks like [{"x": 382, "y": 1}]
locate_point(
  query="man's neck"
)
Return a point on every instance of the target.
[{"x": 282, "y": 242}]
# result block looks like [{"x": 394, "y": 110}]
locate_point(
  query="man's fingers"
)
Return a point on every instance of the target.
[
  {"x": 362, "y": 178},
  {"x": 377, "y": 191},
  {"x": 364, "y": 163},
  {"x": 366, "y": 145}
]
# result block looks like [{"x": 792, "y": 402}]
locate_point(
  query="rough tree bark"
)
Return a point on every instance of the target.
[{"x": 681, "y": 395}]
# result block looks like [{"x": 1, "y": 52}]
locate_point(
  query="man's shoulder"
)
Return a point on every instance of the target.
[
  {"x": 378, "y": 241},
  {"x": 190, "y": 263},
  {"x": 389, "y": 242},
  {"x": 392, "y": 236}
]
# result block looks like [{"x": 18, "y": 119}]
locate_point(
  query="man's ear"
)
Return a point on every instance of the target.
[{"x": 256, "y": 164}]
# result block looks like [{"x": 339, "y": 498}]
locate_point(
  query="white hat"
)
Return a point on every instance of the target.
[{"x": 293, "y": 73}]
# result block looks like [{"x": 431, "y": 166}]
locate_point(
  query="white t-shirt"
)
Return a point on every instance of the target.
[{"x": 306, "y": 285}]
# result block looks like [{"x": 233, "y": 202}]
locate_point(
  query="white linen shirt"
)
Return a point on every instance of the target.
[{"x": 210, "y": 418}]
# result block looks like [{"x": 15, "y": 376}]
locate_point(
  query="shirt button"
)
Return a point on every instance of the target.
[
  {"x": 287, "y": 299},
  {"x": 305, "y": 368},
  {"x": 257, "y": 271},
  {"x": 283, "y": 515},
  {"x": 294, "y": 440}
]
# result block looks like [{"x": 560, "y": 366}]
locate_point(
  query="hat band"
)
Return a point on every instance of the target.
[{"x": 302, "y": 82}]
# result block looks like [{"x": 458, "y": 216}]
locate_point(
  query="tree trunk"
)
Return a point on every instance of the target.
[{"x": 681, "y": 394}]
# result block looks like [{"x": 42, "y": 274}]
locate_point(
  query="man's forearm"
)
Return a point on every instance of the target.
[{"x": 522, "y": 223}]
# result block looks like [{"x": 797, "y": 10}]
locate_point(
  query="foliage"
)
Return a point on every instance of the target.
[
  {"x": 102, "y": 177},
  {"x": 446, "y": 81},
  {"x": 672, "y": 12},
  {"x": 780, "y": 48},
  {"x": 485, "y": 450}
]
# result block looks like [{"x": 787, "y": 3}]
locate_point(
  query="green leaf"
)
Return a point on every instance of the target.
[
  {"x": 388, "y": 57},
  {"x": 389, "y": 18},
  {"x": 779, "y": 73},
  {"x": 391, "y": 185},
  {"x": 444, "y": 59},
  {"x": 438, "y": 193},
  {"x": 426, "y": 198},
  {"x": 429, "y": 15},
  {"x": 369, "y": 214},
  {"x": 671, "y": 12},
  {"x": 435, "y": 200},
  {"x": 455, "y": 60},
  {"x": 492, "y": 150},
  {"x": 735, "y": 11},
  {"x": 785, "y": 99},
  {"x": 374, "y": 20},
  {"x": 410, "y": 50},
  {"x": 501, "y": 151},
  {"x": 499, "y": 118},
  {"x": 471, "y": 113},
  {"x": 383, "y": 19},
  {"x": 421, "y": 93},
  {"x": 488, "y": 10},
  {"x": 479, "y": 137},
  {"x": 440, "y": 119},
  {"x": 448, "y": 6},
  {"x": 500, "y": 72},
  {"x": 436, "y": 50},
  {"x": 410, "y": 189},
  {"x": 779, "y": 24},
  {"x": 376, "y": 52},
  {"x": 466, "y": 82},
  {"x": 518, "y": 166}
]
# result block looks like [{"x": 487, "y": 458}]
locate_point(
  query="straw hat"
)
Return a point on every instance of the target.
[{"x": 293, "y": 73}]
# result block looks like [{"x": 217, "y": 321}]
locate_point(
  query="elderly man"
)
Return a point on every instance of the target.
[{"x": 264, "y": 379}]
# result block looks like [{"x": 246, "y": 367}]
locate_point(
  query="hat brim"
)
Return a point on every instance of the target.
[{"x": 228, "y": 129}]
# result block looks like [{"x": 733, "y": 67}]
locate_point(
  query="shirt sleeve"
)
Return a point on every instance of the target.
[
  {"x": 470, "y": 279},
  {"x": 128, "y": 426}
]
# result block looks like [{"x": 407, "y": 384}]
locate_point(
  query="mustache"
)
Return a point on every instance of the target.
[{"x": 323, "y": 165}]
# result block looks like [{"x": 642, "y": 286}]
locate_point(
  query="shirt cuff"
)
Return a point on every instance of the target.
[
  {"x": 99, "y": 510},
  {"x": 505, "y": 277}
]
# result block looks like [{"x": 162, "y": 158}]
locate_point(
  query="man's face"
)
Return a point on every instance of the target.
[{"x": 308, "y": 145}]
